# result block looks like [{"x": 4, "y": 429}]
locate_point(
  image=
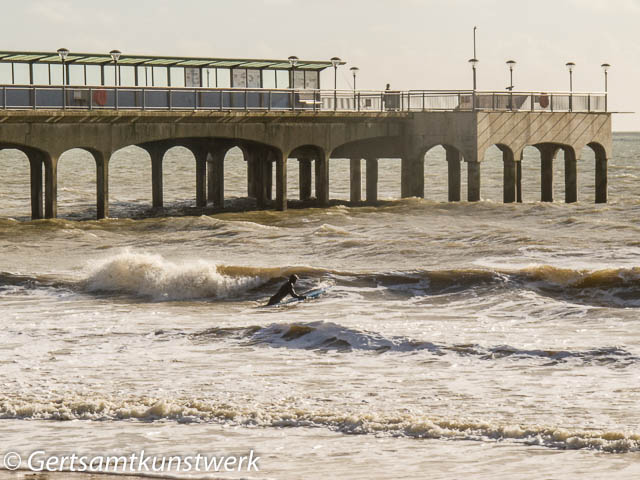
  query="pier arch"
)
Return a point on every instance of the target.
[
  {"x": 21, "y": 165},
  {"x": 597, "y": 153},
  {"x": 436, "y": 155},
  {"x": 71, "y": 164},
  {"x": 318, "y": 176},
  {"x": 507, "y": 179}
]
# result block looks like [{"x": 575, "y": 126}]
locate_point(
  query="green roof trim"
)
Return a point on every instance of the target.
[{"x": 100, "y": 59}]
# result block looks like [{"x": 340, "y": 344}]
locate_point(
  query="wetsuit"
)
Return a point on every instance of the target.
[{"x": 286, "y": 289}]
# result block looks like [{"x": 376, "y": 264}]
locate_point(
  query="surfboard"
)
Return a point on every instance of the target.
[{"x": 311, "y": 294}]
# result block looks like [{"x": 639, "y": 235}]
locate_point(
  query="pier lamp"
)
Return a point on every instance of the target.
[
  {"x": 474, "y": 62},
  {"x": 354, "y": 72},
  {"x": 335, "y": 61},
  {"x": 293, "y": 61},
  {"x": 115, "y": 55},
  {"x": 605, "y": 69},
  {"x": 570, "y": 66},
  {"x": 511, "y": 64},
  {"x": 63, "y": 53}
]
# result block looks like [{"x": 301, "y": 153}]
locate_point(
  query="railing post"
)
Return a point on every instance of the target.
[
  {"x": 605, "y": 102},
  {"x": 531, "y": 101},
  {"x": 358, "y": 101},
  {"x": 90, "y": 99},
  {"x": 116, "y": 96},
  {"x": 246, "y": 100},
  {"x": 144, "y": 100},
  {"x": 551, "y": 102},
  {"x": 195, "y": 98},
  {"x": 589, "y": 103},
  {"x": 170, "y": 103},
  {"x": 473, "y": 101},
  {"x": 35, "y": 90},
  {"x": 269, "y": 104}
]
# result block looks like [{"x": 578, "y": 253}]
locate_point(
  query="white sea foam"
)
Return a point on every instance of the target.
[{"x": 148, "y": 275}]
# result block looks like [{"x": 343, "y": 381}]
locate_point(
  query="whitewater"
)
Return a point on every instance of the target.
[{"x": 454, "y": 339}]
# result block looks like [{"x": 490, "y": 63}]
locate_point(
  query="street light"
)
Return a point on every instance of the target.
[
  {"x": 335, "y": 61},
  {"x": 63, "y": 52},
  {"x": 474, "y": 62},
  {"x": 115, "y": 55},
  {"x": 293, "y": 61},
  {"x": 354, "y": 71},
  {"x": 570, "y": 66},
  {"x": 511, "y": 64},
  {"x": 605, "y": 68}
]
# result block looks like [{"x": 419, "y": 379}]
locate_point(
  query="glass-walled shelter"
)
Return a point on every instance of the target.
[{"x": 88, "y": 69}]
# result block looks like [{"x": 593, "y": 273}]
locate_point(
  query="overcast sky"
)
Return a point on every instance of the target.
[{"x": 412, "y": 44}]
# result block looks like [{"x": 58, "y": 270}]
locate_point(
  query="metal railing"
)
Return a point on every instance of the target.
[{"x": 17, "y": 97}]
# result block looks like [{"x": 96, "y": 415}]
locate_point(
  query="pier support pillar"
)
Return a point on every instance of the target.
[
  {"x": 156, "y": 152},
  {"x": 251, "y": 175},
  {"x": 412, "y": 176},
  {"x": 547, "y": 154},
  {"x": 51, "y": 186},
  {"x": 35, "y": 168},
  {"x": 215, "y": 176},
  {"x": 372, "y": 180},
  {"x": 509, "y": 178},
  {"x": 519, "y": 181},
  {"x": 304, "y": 167},
  {"x": 262, "y": 168},
  {"x": 570, "y": 176},
  {"x": 102, "y": 184},
  {"x": 322, "y": 180},
  {"x": 281, "y": 181},
  {"x": 601, "y": 177},
  {"x": 268, "y": 179},
  {"x": 355, "y": 177},
  {"x": 453, "y": 167},
  {"x": 473, "y": 181},
  {"x": 201, "y": 179}
]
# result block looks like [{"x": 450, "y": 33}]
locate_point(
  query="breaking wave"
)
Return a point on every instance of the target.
[{"x": 289, "y": 414}]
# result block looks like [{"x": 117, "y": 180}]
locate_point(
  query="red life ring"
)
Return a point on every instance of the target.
[
  {"x": 100, "y": 97},
  {"x": 543, "y": 100}
]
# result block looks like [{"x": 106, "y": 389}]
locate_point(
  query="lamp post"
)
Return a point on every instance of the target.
[
  {"x": 570, "y": 66},
  {"x": 63, "y": 52},
  {"x": 115, "y": 55},
  {"x": 511, "y": 64},
  {"x": 335, "y": 61},
  {"x": 293, "y": 61},
  {"x": 474, "y": 62},
  {"x": 605, "y": 68},
  {"x": 354, "y": 72}
]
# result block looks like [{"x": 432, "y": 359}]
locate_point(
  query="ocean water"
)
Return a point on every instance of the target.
[{"x": 487, "y": 340}]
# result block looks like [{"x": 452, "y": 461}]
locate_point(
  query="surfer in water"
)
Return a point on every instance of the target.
[{"x": 286, "y": 289}]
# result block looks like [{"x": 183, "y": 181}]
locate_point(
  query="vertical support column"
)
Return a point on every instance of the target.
[
  {"x": 453, "y": 164},
  {"x": 259, "y": 157},
  {"x": 156, "y": 151},
  {"x": 412, "y": 176},
  {"x": 509, "y": 177},
  {"x": 51, "y": 186},
  {"x": 601, "y": 177},
  {"x": 102, "y": 184},
  {"x": 215, "y": 176},
  {"x": 570, "y": 176},
  {"x": 201, "y": 177},
  {"x": 372, "y": 180},
  {"x": 35, "y": 167},
  {"x": 355, "y": 174},
  {"x": 547, "y": 154},
  {"x": 473, "y": 181},
  {"x": 268, "y": 178},
  {"x": 519, "y": 181},
  {"x": 322, "y": 180},
  {"x": 251, "y": 175},
  {"x": 281, "y": 181},
  {"x": 304, "y": 167}
]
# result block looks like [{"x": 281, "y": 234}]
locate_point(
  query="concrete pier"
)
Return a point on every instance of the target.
[
  {"x": 355, "y": 180},
  {"x": 304, "y": 167},
  {"x": 547, "y": 155},
  {"x": 372, "y": 180},
  {"x": 319, "y": 137},
  {"x": 453, "y": 173},
  {"x": 473, "y": 181}
]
